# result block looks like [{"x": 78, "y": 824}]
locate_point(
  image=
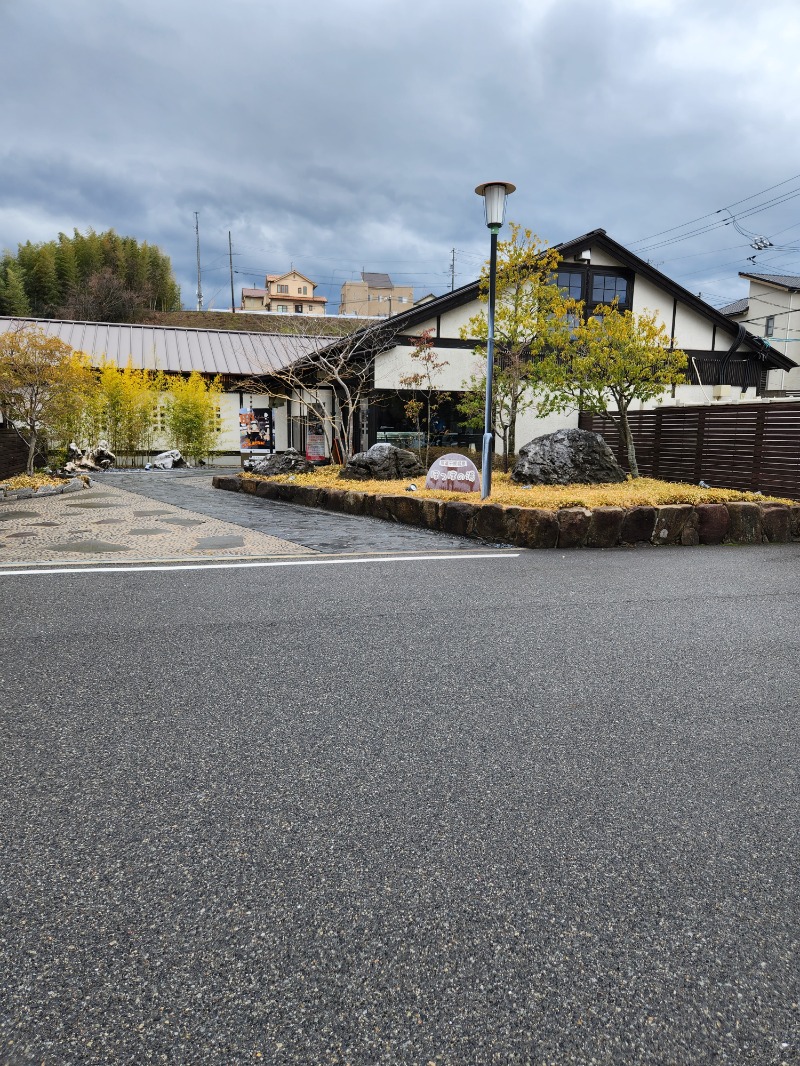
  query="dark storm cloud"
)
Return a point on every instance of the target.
[{"x": 349, "y": 134}]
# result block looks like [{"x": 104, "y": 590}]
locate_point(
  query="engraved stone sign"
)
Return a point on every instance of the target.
[{"x": 454, "y": 473}]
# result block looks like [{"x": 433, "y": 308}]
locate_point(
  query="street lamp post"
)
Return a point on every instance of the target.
[{"x": 494, "y": 195}]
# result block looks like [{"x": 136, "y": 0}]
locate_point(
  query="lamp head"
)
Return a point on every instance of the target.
[{"x": 494, "y": 195}]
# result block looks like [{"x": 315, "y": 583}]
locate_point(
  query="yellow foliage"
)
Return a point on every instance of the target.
[{"x": 639, "y": 492}]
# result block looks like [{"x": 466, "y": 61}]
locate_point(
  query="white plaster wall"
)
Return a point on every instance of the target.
[
  {"x": 397, "y": 363},
  {"x": 598, "y": 259},
  {"x": 649, "y": 297},
  {"x": 691, "y": 330},
  {"x": 453, "y": 320},
  {"x": 530, "y": 426}
]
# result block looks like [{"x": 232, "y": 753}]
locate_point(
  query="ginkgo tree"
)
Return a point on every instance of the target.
[
  {"x": 41, "y": 381},
  {"x": 614, "y": 358},
  {"x": 532, "y": 319}
]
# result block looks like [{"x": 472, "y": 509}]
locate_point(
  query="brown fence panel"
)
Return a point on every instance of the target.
[
  {"x": 748, "y": 446},
  {"x": 13, "y": 453}
]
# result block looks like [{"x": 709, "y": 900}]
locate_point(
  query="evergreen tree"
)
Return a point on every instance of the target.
[{"x": 15, "y": 300}]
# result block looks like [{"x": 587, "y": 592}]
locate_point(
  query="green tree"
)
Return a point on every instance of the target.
[
  {"x": 532, "y": 318},
  {"x": 41, "y": 380},
  {"x": 424, "y": 380},
  {"x": 95, "y": 276},
  {"x": 615, "y": 357},
  {"x": 122, "y": 408},
  {"x": 191, "y": 414},
  {"x": 15, "y": 300}
]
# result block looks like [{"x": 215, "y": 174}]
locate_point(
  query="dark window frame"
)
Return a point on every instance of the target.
[{"x": 587, "y": 275}]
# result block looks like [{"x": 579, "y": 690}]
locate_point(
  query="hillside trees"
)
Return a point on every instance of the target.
[{"x": 93, "y": 276}]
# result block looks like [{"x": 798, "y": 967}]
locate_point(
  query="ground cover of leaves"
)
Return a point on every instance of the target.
[
  {"x": 29, "y": 481},
  {"x": 639, "y": 492}
]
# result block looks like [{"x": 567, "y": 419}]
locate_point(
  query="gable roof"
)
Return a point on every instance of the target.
[
  {"x": 599, "y": 239},
  {"x": 289, "y": 273},
  {"x": 175, "y": 349},
  {"x": 782, "y": 281},
  {"x": 738, "y": 307}
]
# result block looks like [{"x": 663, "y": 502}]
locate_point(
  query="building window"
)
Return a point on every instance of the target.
[
  {"x": 283, "y": 289},
  {"x": 282, "y": 309},
  {"x": 571, "y": 283},
  {"x": 298, "y": 309},
  {"x": 769, "y": 326},
  {"x": 609, "y": 287},
  {"x": 303, "y": 290}
]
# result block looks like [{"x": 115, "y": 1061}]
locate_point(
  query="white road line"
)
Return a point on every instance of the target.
[{"x": 250, "y": 565}]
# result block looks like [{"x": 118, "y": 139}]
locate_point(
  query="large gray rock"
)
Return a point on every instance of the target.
[
  {"x": 567, "y": 457},
  {"x": 168, "y": 460},
  {"x": 288, "y": 462},
  {"x": 383, "y": 462}
]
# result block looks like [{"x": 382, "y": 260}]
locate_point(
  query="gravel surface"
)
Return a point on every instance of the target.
[
  {"x": 318, "y": 530},
  {"x": 537, "y": 810}
]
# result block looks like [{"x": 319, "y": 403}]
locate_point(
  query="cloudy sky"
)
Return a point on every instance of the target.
[{"x": 343, "y": 135}]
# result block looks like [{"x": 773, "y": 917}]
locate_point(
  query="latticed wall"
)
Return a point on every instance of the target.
[
  {"x": 13, "y": 453},
  {"x": 747, "y": 446}
]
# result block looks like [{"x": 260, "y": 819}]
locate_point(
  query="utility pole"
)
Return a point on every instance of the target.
[
  {"x": 197, "y": 237},
  {"x": 230, "y": 259},
  {"x": 453, "y": 270}
]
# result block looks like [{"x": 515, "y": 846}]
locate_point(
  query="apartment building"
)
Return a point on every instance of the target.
[{"x": 375, "y": 296}]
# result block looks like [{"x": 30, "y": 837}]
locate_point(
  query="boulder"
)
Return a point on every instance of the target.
[
  {"x": 638, "y": 525},
  {"x": 713, "y": 521},
  {"x": 573, "y": 526},
  {"x": 605, "y": 527},
  {"x": 567, "y": 457},
  {"x": 383, "y": 462},
  {"x": 168, "y": 460},
  {"x": 288, "y": 462}
]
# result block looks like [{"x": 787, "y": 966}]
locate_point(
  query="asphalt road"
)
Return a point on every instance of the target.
[{"x": 539, "y": 809}]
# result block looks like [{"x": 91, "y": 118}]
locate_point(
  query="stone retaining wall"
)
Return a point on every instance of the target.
[
  {"x": 73, "y": 485},
  {"x": 533, "y": 527}
]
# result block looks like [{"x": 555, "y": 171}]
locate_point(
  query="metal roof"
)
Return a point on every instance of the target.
[
  {"x": 377, "y": 281},
  {"x": 738, "y": 307},
  {"x": 786, "y": 281},
  {"x": 177, "y": 350}
]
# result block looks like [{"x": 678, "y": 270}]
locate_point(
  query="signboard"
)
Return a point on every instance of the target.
[
  {"x": 454, "y": 473},
  {"x": 255, "y": 430},
  {"x": 315, "y": 433}
]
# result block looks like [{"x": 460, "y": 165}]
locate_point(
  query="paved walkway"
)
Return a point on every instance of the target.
[{"x": 133, "y": 515}]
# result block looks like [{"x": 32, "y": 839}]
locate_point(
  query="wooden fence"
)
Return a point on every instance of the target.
[
  {"x": 13, "y": 453},
  {"x": 749, "y": 446}
]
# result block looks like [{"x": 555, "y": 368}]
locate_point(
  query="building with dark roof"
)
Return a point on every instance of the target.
[
  {"x": 771, "y": 311},
  {"x": 374, "y": 296}
]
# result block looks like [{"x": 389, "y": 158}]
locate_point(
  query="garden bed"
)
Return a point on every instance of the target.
[{"x": 573, "y": 516}]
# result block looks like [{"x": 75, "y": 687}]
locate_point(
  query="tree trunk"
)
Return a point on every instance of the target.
[
  {"x": 31, "y": 452},
  {"x": 512, "y": 434},
  {"x": 627, "y": 440}
]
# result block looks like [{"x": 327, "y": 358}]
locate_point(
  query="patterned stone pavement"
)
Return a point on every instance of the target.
[{"x": 105, "y": 523}]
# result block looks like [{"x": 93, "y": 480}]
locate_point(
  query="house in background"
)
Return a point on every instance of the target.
[
  {"x": 771, "y": 310},
  {"x": 285, "y": 294},
  {"x": 375, "y": 296},
  {"x": 726, "y": 361}
]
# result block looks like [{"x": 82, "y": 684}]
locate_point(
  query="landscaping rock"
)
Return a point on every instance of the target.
[
  {"x": 353, "y": 502},
  {"x": 288, "y": 462},
  {"x": 457, "y": 518},
  {"x": 229, "y": 482},
  {"x": 605, "y": 527},
  {"x": 383, "y": 462},
  {"x": 638, "y": 525},
  {"x": 306, "y": 495},
  {"x": 794, "y": 521},
  {"x": 535, "y": 527},
  {"x": 745, "y": 525},
  {"x": 169, "y": 460},
  {"x": 494, "y": 522},
  {"x": 573, "y": 527},
  {"x": 690, "y": 536},
  {"x": 775, "y": 523},
  {"x": 566, "y": 457},
  {"x": 713, "y": 522},
  {"x": 670, "y": 522}
]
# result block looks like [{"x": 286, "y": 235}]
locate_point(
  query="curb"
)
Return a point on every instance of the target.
[
  {"x": 534, "y": 527},
  {"x": 74, "y": 484}
]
